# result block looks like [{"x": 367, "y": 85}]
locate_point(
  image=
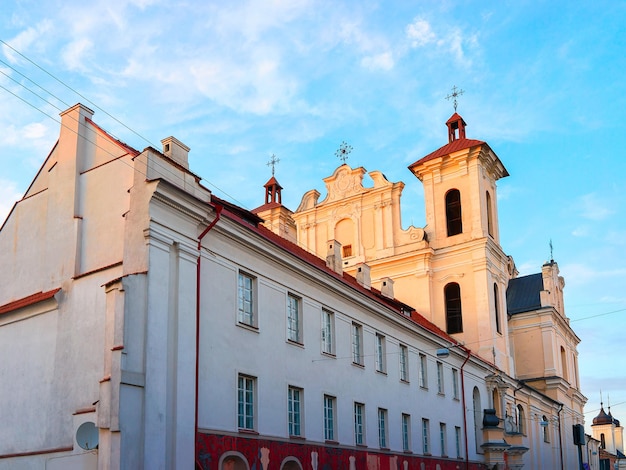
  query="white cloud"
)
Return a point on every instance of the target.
[
  {"x": 420, "y": 33},
  {"x": 382, "y": 61},
  {"x": 591, "y": 206},
  {"x": 74, "y": 53},
  {"x": 24, "y": 40},
  {"x": 581, "y": 231}
]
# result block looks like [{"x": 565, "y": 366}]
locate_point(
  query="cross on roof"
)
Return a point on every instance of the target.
[
  {"x": 343, "y": 151},
  {"x": 455, "y": 93},
  {"x": 273, "y": 161}
]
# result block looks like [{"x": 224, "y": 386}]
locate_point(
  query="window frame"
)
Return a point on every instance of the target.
[
  {"x": 330, "y": 413},
  {"x": 357, "y": 344},
  {"x": 406, "y": 432},
  {"x": 328, "y": 332},
  {"x": 453, "y": 308},
  {"x": 359, "y": 424},
  {"x": 496, "y": 306},
  {"x": 383, "y": 428},
  {"x": 454, "y": 212},
  {"x": 404, "y": 362},
  {"x": 455, "y": 383},
  {"x": 423, "y": 376},
  {"x": 246, "y": 402},
  {"x": 381, "y": 362},
  {"x": 440, "y": 379},
  {"x": 443, "y": 439},
  {"x": 247, "y": 316},
  {"x": 294, "y": 411},
  {"x": 426, "y": 436},
  {"x": 458, "y": 439},
  {"x": 294, "y": 319}
]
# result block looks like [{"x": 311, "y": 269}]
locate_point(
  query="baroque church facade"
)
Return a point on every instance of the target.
[
  {"x": 147, "y": 323},
  {"x": 453, "y": 271}
]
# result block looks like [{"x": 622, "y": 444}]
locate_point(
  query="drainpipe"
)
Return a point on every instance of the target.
[
  {"x": 560, "y": 437},
  {"x": 468, "y": 352},
  {"x": 218, "y": 210}
]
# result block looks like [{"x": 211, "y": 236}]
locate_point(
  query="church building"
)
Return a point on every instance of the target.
[{"x": 147, "y": 324}]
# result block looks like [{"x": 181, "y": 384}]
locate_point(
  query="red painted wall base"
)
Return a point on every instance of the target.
[{"x": 266, "y": 454}]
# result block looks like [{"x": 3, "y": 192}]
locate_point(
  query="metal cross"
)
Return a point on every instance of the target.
[
  {"x": 551, "y": 254},
  {"x": 343, "y": 151},
  {"x": 273, "y": 161},
  {"x": 454, "y": 95}
]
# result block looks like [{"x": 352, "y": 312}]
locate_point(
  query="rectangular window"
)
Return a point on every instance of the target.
[
  {"x": 382, "y": 428},
  {"x": 423, "y": 371},
  {"x": 246, "y": 300},
  {"x": 440, "y": 388},
  {"x": 425, "y": 436},
  {"x": 246, "y": 402},
  {"x": 404, "y": 363},
  {"x": 380, "y": 353},
  {"x": 328, "y": 332},
  {"x": 359, "y": 423},
  {"x": 455, "y": 383},
  {"x": 329, "y": 418},
  {"x": 406, "y": 432},
  {"x": 347, "y": 251},
  {"x": 443, "y": 439},
  {"x": 294, "y": 318},
  {"x": 357, "y": 344},
  {"x": 457, "y": 439},
  {"x": 295, "y": 411}
]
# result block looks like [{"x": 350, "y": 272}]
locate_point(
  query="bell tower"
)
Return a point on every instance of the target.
[{"x": 469, "y": 271}]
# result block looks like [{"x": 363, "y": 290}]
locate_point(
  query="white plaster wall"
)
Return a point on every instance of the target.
[
  {"x": 56, "y": 363},
  {"x": 227, "y": 349}
]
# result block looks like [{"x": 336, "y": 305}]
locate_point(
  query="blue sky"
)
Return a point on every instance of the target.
[{"x": 239, "y": 81}]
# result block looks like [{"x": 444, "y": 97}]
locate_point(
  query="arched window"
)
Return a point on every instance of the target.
[
  {"x": 453, "y": 212},
  {"x": 602, "y": 441},
  {"x": 477, "y": 418},
  {"x": 520, "y": 419},
  {"x": 344, "y": 233},
  {"x": 454, "y": 319},
  {"x": 544, "y": 426},
  {"x": 233, "y": 461},
  {"x": 564, "y": 363},
  {"x": 489, "y": 215},
  {"x": 291, "y": 463},
  {"x": 496, "y": 307}
]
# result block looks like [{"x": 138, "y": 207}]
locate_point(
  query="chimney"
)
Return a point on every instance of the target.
[
  {"x": 363, "y": 275},
  {"x": 333, "y": 256},
  {"x": 176, "y": 150},
  {"x": 386, "y": 287}
]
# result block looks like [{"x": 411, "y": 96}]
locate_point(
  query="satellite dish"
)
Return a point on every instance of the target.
[{"x": 87, "y": 436}]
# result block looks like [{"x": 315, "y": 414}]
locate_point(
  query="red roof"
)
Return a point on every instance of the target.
[
  {"x": 26, "y": 301},
  {"x": 454, "y": 146},
  {"x": 272, "y": 182},
  {"x": 125, "y": 146}
]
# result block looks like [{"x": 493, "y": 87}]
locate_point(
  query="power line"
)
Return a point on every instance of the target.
[
  {"x": 599, "y": 315},
  {"x": 90, "y": 102}
]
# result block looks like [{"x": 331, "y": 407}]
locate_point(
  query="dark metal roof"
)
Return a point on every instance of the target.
[{"x": 522, "y": 295}]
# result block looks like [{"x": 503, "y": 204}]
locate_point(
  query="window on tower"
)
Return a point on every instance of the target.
[
  {"x": 489, "y": 215},
  {"x": 453, "y": 212},
  {"x": 454, "y": 319}
]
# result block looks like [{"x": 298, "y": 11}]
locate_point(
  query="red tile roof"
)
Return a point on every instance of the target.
[
  {"x": 454, "y": 146},
  {"x": 26, "y": 301},
  {"x": 125, "y": 146}
]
